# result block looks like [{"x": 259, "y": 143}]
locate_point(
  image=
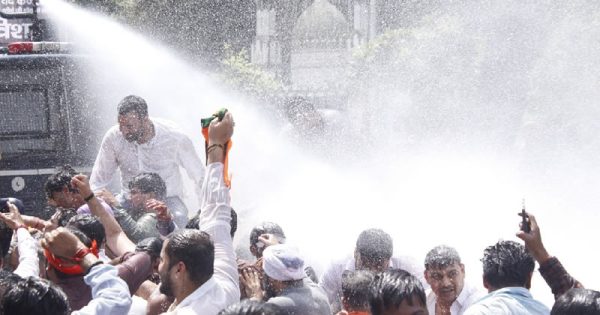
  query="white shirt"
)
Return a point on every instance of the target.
[
  {"x": 110, "y": 294},
  {"x": 331, "y": 281},
  {"x": 169, "y": 149},
  {"x": 508, "y": 301},
  {"x": 29, "y": 263},
  {"x": 469, "y": 295},
  {"x": 222, "y": 289}
]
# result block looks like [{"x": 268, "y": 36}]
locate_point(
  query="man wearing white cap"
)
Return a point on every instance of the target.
[{"x": 286, "y": 283}]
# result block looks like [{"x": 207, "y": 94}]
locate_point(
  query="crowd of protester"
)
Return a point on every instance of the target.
[{"x": 135, "y": 251}]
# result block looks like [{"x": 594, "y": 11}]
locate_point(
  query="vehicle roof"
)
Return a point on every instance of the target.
[{"x": 35, "y": 60}]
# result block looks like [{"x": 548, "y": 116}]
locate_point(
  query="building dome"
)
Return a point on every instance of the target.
[{"x": 321, "y": 25}]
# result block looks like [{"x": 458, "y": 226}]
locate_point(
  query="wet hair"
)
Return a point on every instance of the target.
[
  {"x": 133, "y": 103},
  {"x": 150, "y": 245},
  {"x": 577, "y": 301},
  {"x": 297, "y": 104},
  {"x": 57, "y": 181},
  {"x": 251, "y": 307},
  {"x": 7, "y": 281},
  {"x": 441, "y": 257},
  {"x": 195, "y": 249},
  {"x": 149, "y": 183},
  {"x": 266, "y": 228},
  {"x": 507, "y": 264},
  {"x": 35, "y": 296},
  {"x": 355, "y": 289},
  {"x": 90, "y": 226},
  {"x": 374, "y": 246},
  {"x": 390, "y": 288},
  {"x": 64, "y": 215},
  {"x": 194, "y": 222}
]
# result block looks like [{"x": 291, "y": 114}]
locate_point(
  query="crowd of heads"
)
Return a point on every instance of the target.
[{"x": 185, "y": 258}]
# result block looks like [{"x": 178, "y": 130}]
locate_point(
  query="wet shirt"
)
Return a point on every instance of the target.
[
  {"x": 307, "y": 299},
  {"x": 222, "y": 289},
  {"x": 331, "y": 281},
  {"x": 508, "y": 301},
  {"x": 467, "y": 296},
  {"x": 163, "y": 154}
]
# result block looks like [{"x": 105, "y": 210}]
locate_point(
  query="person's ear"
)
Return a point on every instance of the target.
[
  {"x": 254, "y": 250},
  {"x": 180, "y": 268}
]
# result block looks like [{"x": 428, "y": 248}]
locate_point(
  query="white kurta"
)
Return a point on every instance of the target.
[
  {"x": 222, "y": 289},
  {"x": 169, "y": 149},
  {"x": 469, "y": 295}
]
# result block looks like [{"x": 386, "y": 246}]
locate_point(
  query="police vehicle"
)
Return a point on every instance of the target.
[{"x": 48, "y": 115}]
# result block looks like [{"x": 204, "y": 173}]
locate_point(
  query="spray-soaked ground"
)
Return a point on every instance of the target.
[{"x": 480, "y": 106}]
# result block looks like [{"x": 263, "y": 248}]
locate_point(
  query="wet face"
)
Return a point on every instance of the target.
[
  {"x": 139, "y": 199},
  {"x": 375, "y": 265},
  {"x": 67, "y": 199},
  {"x": 131, "y": 126},
  {"x": 447, "y": 282},
  {"x": 415, "y": 307},
  {"x": 164, "y": 272}
]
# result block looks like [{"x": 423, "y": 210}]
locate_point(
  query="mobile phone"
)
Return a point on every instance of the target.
[{"x": 525, "y": 224}]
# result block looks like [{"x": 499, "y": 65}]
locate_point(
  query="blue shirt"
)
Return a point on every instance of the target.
[{"x": 508, "y": 301}]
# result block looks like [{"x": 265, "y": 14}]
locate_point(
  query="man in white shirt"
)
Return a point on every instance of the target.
[
  {"x": 198, "y": 268},
  {"x": 373, "y": 251},
  {"x": 445, "y": 274},
  {"x": 141, "y": 144}
]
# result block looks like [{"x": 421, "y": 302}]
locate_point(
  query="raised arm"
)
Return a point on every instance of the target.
[
  {"x": 556, "y": 276},
  {"x": 116, "y": 240},
  {"x": 110, "y": 294},
  {"x": 29, "y": 265},
  {"x": 216, "y": 210}
]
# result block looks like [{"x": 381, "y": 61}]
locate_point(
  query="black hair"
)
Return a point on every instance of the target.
[
  {"x": 35, "y": 296},
  {"x": 441, "y": 256},
  {"x": 195, "y": 249},
  {"x": 297, "y": 104},
  {"x": 251, "y": 307},
  {"x": 90, "y": 226},
  {"x": 194, "y": 222},
  {"x": 64, "y": 215},
  {"x": 507, "y": 264},
  {"x": 57, "y": 181},
  {"x": 266, "y": 228},
  {"x": 150, "y": 245},
  {"x": 374, "y": 246},
  {"x": 390, "y": 288},
  {"x": 149, "y": 183},
  {"x": 133, "y": 103},
  {"x": 7, "y": 280},
  {"x": 355, "y": 289},
  {"x": 577, "y": 301}
]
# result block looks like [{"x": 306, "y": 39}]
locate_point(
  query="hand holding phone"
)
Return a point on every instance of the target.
[{"x": 525, "y": 223}]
